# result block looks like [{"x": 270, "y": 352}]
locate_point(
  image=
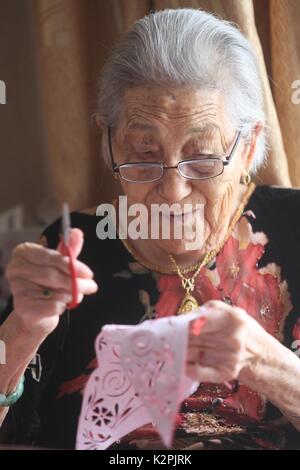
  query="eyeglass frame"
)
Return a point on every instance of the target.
[{"x": 225, "y": 162}]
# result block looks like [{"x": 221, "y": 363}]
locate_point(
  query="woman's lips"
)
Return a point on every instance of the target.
[{"x": 184, "y": 216}]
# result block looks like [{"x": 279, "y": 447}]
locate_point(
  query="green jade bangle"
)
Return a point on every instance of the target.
[{"x": 14, "y": 396}]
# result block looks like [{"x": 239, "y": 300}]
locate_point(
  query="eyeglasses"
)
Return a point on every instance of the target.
[{"x": 201, "y": 167}]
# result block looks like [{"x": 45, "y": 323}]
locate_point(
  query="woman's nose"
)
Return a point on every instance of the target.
[{"x": 173, "y": 187}]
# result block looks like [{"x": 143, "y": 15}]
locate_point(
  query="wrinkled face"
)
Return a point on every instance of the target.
[{"x": 170, "y": 125}]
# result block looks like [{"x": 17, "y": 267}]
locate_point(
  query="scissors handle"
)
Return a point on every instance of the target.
[{"x": 65, "y": 251}]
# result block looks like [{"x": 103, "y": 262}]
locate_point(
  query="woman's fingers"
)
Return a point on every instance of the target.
[
  {"x": 86, "y": 286},
  {"x": 203, "y": 374},
  {"x": 214, "y": 359},
  {"x": 33, "y": 269},
  {"x": 43, "y": 276},
  {"x": 81, "y": 269},
  {"x": 51, "y": 278},
  {"x": 210, "y": 372},
  {"x": 75, "y": 242},
  {"x": 221, "y": 316},
  {"x": 31, "y": 305},
  {"x": 38, "y": 255},
  {"x": 30, "y": 289},
  {"x": 219, "y": 353}
]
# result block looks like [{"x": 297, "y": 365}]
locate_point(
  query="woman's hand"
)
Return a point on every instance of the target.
[
  {"x": 228, "y": 347},
  {"x": 33, "y": 269},
  {"x": 232, "y": 345}
]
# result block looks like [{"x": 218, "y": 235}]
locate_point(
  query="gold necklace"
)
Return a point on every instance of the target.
[
  {"x": 189, "y": 303},
  {"x": 153, "y": 267}
]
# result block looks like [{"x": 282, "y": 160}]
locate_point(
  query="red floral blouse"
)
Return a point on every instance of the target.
[{"x": 258, "y": 269}]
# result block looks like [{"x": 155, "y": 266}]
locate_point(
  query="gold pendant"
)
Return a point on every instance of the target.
[{"x": 188, "y": 304}]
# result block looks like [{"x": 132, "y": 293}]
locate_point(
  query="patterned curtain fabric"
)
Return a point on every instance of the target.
[{"x": 74, "y": 38}]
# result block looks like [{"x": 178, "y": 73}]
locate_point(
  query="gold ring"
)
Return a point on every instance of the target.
[{"x": 47, "y": 293}]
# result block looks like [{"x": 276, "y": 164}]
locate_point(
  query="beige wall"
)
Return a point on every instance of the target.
[{"x": 24, "y": 175}]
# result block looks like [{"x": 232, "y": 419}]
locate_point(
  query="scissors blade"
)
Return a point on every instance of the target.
[{"x": 66, "y": 223}]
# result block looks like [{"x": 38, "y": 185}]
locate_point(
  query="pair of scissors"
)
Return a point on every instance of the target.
[{"x": 65, "y": 250}]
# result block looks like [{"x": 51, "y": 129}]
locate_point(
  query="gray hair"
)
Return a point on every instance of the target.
[{"x": 187, "y": 47}]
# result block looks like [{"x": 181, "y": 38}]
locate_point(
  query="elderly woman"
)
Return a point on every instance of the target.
[{"x": 180, "y": 107}]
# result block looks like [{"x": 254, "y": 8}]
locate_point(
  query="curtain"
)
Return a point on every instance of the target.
[{"x": 74, "y": 38}]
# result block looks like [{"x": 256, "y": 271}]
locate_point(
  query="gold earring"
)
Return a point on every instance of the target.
[{"x": 246, "y": 179}]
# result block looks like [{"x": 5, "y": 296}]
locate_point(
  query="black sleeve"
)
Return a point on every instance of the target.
[
  {"x": 22, "y": 423},
  {"x": 277, "y": 215}
]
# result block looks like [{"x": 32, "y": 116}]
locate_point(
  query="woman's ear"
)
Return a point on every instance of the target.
[
  {"x": 99, "y": 122},
  {"x": 249, "y": 150},
  {"x": 105, "y": 148}
]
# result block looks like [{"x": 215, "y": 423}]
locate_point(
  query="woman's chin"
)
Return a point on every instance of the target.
[{"x": 181, "y": 247}]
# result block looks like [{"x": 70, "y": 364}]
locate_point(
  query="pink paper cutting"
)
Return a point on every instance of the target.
[{"x": 140, "y": 379}]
